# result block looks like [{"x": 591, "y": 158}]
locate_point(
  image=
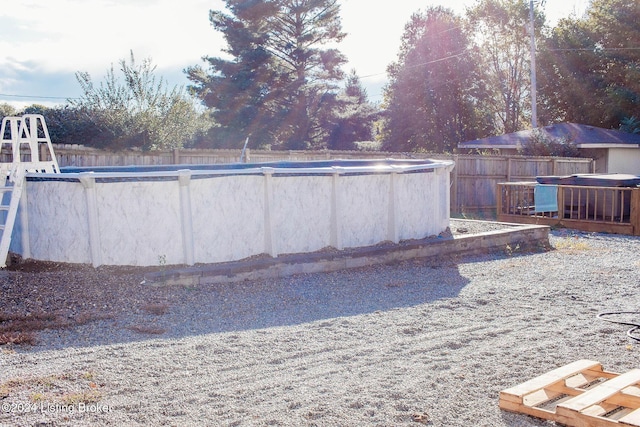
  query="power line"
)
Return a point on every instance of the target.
[
  {"x": 422, "y": 63},
  {"x": 592, "y": 49},
  {"x": 36, "y": 96}
]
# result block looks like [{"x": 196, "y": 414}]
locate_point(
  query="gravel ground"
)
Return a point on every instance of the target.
[{"x": 390, "y": 345}]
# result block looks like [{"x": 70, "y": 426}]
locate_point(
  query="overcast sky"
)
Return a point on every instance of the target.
[{"x": 44, "y": 42}]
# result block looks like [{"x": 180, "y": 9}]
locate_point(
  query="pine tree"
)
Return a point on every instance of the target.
[
  {"x": 354, "y": 119},
  {"x": 280, "y": 80}
]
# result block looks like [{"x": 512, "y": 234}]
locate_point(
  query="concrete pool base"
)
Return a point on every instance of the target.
[{"x": 510, "y": 238}]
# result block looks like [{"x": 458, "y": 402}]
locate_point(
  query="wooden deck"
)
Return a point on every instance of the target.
[{"x": 586, "y": 208}]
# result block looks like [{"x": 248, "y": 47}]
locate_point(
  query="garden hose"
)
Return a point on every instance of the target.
[{"x": 630, "y": 332}]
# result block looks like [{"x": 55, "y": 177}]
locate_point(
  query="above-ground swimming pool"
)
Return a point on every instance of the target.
[{"x": 188, "y": 214}]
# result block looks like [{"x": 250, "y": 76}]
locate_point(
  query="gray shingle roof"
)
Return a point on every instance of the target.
[{"x": 583, "y": 135}]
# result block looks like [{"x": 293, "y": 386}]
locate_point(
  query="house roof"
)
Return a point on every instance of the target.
[{"x": 583, "y": 136}]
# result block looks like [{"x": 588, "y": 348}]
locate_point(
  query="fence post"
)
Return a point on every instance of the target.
[
  {"x": 635, "y": 211},
  {"x": 454, "y": 184},
  {"x": 561, "y": 203},
  {"x": 43, "y": 152},
  {"x": 176, "y": 156}
]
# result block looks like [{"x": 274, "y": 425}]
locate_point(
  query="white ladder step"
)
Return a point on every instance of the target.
[
  {"x": 31, "y": 130},
  {"x": 6, "y": 228}
]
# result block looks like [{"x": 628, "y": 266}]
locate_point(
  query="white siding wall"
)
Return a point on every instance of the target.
[{"x": 624, "y": 160}]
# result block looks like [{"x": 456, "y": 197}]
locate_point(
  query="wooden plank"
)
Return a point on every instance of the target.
[
  {"x": 623, "y": 399},
  {"x": 632, "y": 390},
  {"x": 623, "y": 412},
  {"x": 539, "y": 397},
  {"x": 580, "y": 380},
  {"x": 600, "y": 393},
  {"x": 635, "y": 211},
  {"x": 631, "y": 419},
  {"x": 583, "y": 225},
  {"x": 598, "y": 410},
  {"x": 528, "y": 410},
  {"x": 517, "y": 393}
]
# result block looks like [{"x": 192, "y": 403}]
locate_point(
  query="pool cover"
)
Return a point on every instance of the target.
[{"x": 594, "y": 180}]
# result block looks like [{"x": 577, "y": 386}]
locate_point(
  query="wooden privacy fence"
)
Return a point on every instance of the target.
[{"x": 474, "y": 179}]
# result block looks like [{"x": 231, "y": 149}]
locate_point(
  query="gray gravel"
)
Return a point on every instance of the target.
[{"x": 373, "y": 346}]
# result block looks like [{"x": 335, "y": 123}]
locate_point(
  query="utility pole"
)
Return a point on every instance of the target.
[{"x": 534, "y": 109}]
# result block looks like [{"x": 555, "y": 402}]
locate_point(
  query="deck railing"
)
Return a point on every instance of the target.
[{"x": 588, "y": 208}]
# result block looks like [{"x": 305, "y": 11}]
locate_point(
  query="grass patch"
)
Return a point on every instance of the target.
[
  {"x": 571, "y": 244},
  {"x": 21, "y": 329},
  {"x": 156, "y": 309},
  {"x": 147, "y": 329},
  {"x": 14, "y": 337},
  {"x": 91, "y": 396},
  {"x": 479, "y": 214},
  {"x": 66, "y": 389}
]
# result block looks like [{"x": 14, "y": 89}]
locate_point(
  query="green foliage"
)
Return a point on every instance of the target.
[
  {"x": 503, "y": 41},
  {"x": 589, "y": 68},
  {"x": 7, "y": 110},
  {"x": 432, "y": 100},
  {"x": 542, "y": 144},
  {"x": 137, "y": 110},
  {"x": 455, "y": 79},
  {"x": 352, "y": 120},
  {"x": 280, "y": 85},
  {"x": 66, "y": 125},
  {"x": 630, "y": 124}
]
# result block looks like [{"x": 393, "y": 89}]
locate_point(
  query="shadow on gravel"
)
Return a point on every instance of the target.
[{"x": 137, "y": 312}]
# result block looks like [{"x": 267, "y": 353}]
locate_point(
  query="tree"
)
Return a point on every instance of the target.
[
  {"x": 279, "y": 81},
  {"x": 353, "y": 121},
  {"x": 615, "y": 27},
  {"x": 503, "y": 40},
  {"x": 630, "y": 125},
  {"x": 431, "y": 99},
  {"x": 66, "y": 125},
  {"x": 541, "y": 144},
  {"x": 590, "y": 66},
  {"x": 566, "y": 81},
  {"x": 138, "y": 111},
  {"x": 7, "y": 110}
]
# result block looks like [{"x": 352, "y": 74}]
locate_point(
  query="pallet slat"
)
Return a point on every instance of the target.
[
  {"x": 632, "y": 419},
  {"x": 579, "y": 394},
  {"x": 517, "y": 393},
  {"x": 602, "y": 392}
]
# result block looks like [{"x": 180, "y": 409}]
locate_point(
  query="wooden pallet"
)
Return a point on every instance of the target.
[{"x": 579, "y": 394}]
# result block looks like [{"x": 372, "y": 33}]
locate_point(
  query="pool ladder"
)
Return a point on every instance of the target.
[{"x": 24, "y": 135}]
